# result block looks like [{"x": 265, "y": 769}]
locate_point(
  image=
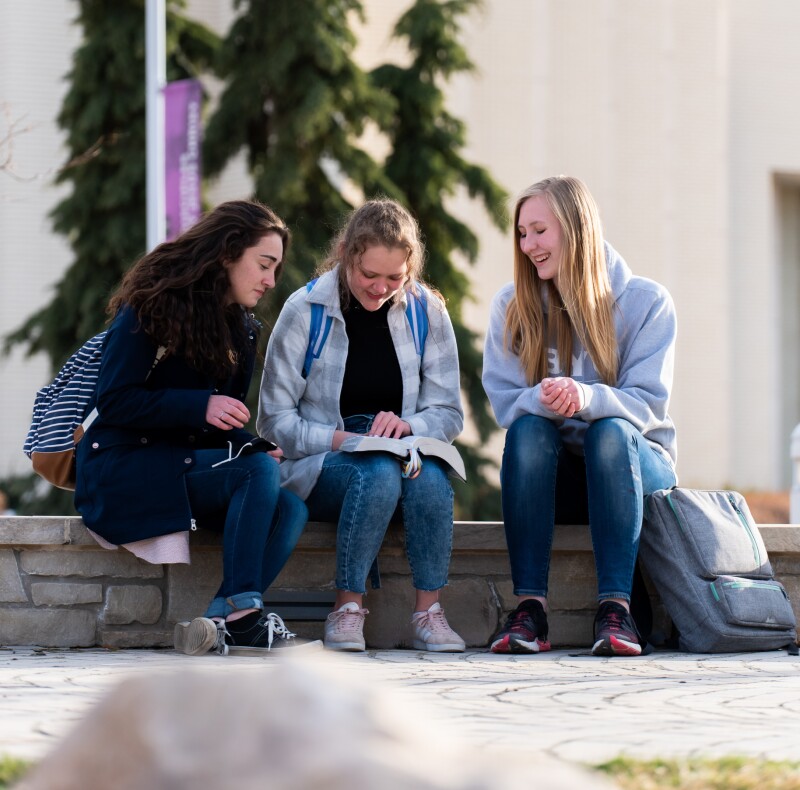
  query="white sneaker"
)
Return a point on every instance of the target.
[
  {"x": 432, "y": 632},
  {"x": 344, "y": 628},
  {"x": 196, "y": 637}
]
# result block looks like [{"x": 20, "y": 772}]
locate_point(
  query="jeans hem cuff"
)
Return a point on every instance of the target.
[{"x": 605, "y": 596}]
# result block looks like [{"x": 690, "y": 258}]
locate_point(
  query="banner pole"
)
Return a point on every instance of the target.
[{"x": 156, "y": 77}]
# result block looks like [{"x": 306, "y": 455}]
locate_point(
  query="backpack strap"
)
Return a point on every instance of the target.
[
  {"x": 316, "y": 335},
  {"x": 94, "y": 414},
  {"x": 417, "y": 315}
]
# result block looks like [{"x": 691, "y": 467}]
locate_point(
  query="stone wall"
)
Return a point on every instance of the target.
[{"x": 58, "y": 588}]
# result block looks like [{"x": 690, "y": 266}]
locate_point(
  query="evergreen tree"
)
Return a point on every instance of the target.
[
  {"x": 103, "y": 217},
  {"x": 296, "y": 102},
  {"x": 426, "y": 164}
]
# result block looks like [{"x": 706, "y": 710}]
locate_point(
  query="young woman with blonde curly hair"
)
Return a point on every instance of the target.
[{"x": 370, "y": 378}]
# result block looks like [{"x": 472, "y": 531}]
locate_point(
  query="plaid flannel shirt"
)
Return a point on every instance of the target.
[{"x": 300, "y": 414}]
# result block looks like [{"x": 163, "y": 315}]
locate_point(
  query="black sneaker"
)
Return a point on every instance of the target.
[
  {"x": 259, "y": 633},
  {"x": 615, "y": 633},
  {"x": 525, "y": 630}
]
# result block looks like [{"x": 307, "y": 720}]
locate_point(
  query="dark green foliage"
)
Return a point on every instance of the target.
[
  {"x": 295, "y": 101},
  {"x": 103, "y": 115},
  {"x": 427, "y": 166}
]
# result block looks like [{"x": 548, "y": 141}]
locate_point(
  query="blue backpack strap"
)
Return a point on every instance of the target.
[
  {"x": 316, "y": 335},
  {"x": 417, "y": 315}
]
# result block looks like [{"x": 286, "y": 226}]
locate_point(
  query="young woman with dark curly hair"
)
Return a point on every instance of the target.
[{"x": 168, "y": 452}]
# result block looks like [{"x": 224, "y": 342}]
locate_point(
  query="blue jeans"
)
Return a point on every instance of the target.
[
  {"x": 262, "y": 523},
  {"x": 543, "y": 483},
  {"x": 361, "y": 491}
]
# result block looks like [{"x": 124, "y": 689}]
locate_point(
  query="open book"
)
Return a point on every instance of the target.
[{"x": 408, "y": 449}]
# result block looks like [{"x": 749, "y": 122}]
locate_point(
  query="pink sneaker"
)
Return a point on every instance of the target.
[
  {"x": 432, "y": 632},
  {"x": 344, "y": 628}
]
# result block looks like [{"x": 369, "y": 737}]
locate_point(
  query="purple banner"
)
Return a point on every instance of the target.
[{"x": 182, "y": 135}]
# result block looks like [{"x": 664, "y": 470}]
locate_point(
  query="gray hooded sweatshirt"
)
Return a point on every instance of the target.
[{"x": 644, "y": 316}]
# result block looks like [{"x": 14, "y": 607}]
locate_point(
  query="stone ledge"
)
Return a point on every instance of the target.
[
  {"x": 37, "y": 532},
  {"x": 60, "y": 588}
]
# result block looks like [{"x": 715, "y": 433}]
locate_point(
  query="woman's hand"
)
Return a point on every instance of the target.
[
  {"x": 225, "y": 413},
  {"x": 387, "y": 423},
  {"x": 277, "y": 454},
  {"x": 561, "y": 395}
]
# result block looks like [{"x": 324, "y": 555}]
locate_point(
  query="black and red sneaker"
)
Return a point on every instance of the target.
[
  {"x": 525, "y": 630},
  {"x": 615, "y": 632}
]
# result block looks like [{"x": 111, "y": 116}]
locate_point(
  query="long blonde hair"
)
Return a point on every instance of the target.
[
  {"x": 376, "y": 223},
  {"x": 583, "y": 302}
]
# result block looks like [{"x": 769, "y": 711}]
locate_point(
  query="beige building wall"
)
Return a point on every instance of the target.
[
  {"x": 37, "y": 38},
  {"x": 683, "y": 119}
]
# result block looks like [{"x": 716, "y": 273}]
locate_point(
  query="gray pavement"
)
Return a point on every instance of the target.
[{"x": 566, "y": 703}]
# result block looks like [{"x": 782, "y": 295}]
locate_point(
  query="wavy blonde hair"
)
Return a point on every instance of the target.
[
  {"x": 583, "y": 302},
  {"x": 377, "y": 223}
]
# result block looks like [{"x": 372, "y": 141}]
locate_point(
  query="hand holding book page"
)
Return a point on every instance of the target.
[{"x": 408, "y": 449}]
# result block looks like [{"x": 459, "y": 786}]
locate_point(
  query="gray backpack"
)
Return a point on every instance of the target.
[{"x": 708, "y": 562}]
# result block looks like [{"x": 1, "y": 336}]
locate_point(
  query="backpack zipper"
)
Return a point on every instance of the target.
[
  {"x": 193, "y": 525},
  {"x": 675, "y": 513},
  {"x": 745, "y": 584},
  {"x": 746, "y": 525}
]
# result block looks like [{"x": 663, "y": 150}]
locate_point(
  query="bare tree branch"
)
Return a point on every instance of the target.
[{"x": 11, "y": 128}]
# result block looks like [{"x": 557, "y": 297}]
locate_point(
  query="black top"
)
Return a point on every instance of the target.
[{"x": 372, "y": 378}]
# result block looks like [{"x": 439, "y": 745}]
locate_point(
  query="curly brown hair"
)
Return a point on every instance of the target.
[{"x": 180, "y": 290}]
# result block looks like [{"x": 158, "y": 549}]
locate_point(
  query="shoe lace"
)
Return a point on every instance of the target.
[
  {"x": 527, "y": 621},
  {"x": 276, "y": 627},
  {"x": 613, "y": 621},
  {"x": 617, "y": 620},
  {"x": 271, "y": 621},
  {"x": 348, "y": 621},
  {"x": 435, "y": 621},
  {"x": 220, "y": 645}
]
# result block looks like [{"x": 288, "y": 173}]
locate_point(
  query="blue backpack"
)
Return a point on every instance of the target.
[{"x": 416, "y": 314}]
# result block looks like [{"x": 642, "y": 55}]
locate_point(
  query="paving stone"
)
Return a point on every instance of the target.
[
  {"x": 126, "y": 638},
  {"x": 132, "y": 604},
  {"x": 65, "y": 594},
  {"x": 120, "y": 564},
  {"x": 664, "y": 705},
  {"x": 47, "y": 627},
  {"x": 11, "y": 588},
  {"x": 154, "y": 731}
]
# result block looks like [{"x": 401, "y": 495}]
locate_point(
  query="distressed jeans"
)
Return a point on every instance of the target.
[
  {"x": 361, "y": 491},
  {"x": 263, "y": 523},
  {"x": 543, "y": 483}
]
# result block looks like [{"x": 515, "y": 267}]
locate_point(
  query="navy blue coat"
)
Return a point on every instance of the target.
[{"x": 131, "y": 462}]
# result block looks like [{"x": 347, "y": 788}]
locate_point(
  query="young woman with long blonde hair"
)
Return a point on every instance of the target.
[{"x": 578, "y": 367}]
